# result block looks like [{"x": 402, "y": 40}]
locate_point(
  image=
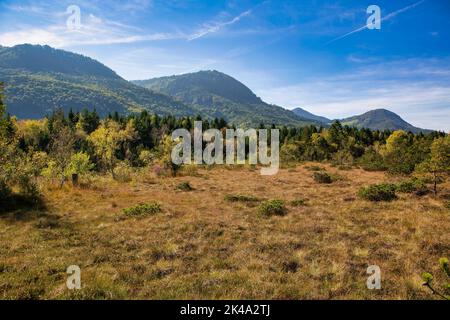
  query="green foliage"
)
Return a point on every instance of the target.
[
  {"x": 18, "y": 172},
  {"x": 378, "y": 192},
  {"x": 146, "y": 157},
  {"x": 428, "y": 280},
  {"x": 371, "y": 160},
  {"x": 240, "y": 198},
  {"x": 411, "y": 185},
  {"x": 322, "y": 177},
  {"x": 166, "y": 156},
  {"x": 80, "y": 163},
  {"x": 272, "y": 208},
  {"x": 142, "y": 210},
  {"x": 427, "y": 277},
  {"x": 438, "y": 165}
]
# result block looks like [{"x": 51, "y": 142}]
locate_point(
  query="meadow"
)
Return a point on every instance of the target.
[{"x": 208, "y": 239}]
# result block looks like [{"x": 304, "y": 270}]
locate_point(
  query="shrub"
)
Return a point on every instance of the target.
[
  {"x": 378, "y": 192},
  {"x": 142, "y": 210},
  {"x": 5, "y": 191},
  {"x": 410, "y": 186},
  {"x": 272, "y": 208},
  {"x": 240, "y": 198},
  {"x": 372, "y": 161},
  {"x": 80, "y": 163},
  {"x": 298, "y": 203},
  {"x": 146, "y": 157},
  {"x": 184, "y": 186},
  {"x": 322, "y": 177}
]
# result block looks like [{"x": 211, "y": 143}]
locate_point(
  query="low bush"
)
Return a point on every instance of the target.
[
  {"x": 143, "y": 209},
  {"x": 410, "y": 186},
  {"x": 184, "y": 186},
  {"x": 378, "y": 192},
  {"x": 322, "y": 177},
  {"x": 240, "y": 198},
  {"x": 272, "y": 208},
  {"x": 372, "y": 161}
]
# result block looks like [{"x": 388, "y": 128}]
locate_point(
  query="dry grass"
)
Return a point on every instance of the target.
[{"x": 202, "y": 246}]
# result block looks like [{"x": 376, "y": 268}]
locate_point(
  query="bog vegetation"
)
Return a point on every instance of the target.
[{"x": 67, "y": 155}]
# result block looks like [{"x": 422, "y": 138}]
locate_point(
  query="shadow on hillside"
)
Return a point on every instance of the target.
[{"x": 21, "y": 208}]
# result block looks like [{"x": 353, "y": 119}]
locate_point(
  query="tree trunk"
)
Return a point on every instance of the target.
[{"x": 75, "y": 179}]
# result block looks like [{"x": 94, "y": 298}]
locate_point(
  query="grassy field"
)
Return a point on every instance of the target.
[{"x": 204, "y": 245}]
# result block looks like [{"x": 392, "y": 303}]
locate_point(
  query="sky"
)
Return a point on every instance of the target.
[{"x": 318, "y": 55}]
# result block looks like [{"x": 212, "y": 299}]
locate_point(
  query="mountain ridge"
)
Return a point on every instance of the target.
[
  {"x": 308, "y": 115},
  {"x": 224, "y": 96},
  {"x": 381, "y": 119},
  {"x": 39, "y": 79}
]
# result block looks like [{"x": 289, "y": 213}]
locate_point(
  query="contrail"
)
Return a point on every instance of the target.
[{"x": 388, "y": 17}]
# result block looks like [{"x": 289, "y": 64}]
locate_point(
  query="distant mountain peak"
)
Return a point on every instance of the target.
[
  {"x": 381, "y": 119},
  {"x": 38, "y": 58},
  {"x": 222, "y": 96}
]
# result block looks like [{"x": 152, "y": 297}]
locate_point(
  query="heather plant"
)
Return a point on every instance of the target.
[
  {"x": 322, "y": 177},
  {"x": 378, "y": 192},
  {"x": 272, "y": 208},
  {"x": 142, "y": 210}
]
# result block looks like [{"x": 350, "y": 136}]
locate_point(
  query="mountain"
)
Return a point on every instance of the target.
[
  {"x": 39, "y": 79},
  {"x": 222, "y": 96},
  {"x": 381, "y": 119},
  {"x": 308, "y": 115}
]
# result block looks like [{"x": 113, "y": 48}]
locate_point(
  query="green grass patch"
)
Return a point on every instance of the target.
[{"x": 142, "y": 210}]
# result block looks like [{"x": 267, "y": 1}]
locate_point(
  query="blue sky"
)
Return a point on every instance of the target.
[{"x": 290, "y": 53}]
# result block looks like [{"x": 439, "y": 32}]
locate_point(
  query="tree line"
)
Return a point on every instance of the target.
[{"x": 78, "y": 143}]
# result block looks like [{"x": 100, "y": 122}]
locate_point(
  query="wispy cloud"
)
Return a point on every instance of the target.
[
  {"x": 216, "y": 26},
  {"x": 387, "y": 17},
  {"x": 96, "y": 30}
]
